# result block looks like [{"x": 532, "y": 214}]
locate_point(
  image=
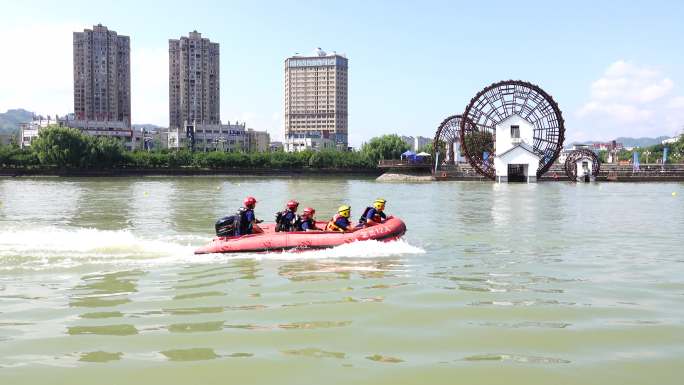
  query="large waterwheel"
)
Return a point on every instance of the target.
[
  {"x": 446, "y": 144},
  {"x": 578, "y": 156},
  {"x": 499, "y": 101}
]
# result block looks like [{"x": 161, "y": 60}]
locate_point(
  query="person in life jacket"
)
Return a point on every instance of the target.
[
  {"x": 287, "y": 220},
  {"x": 308, "y": 223},
  {"x": 247, "y": 217},
  {"x": 373, "y": 215},
  {"x": 340, "y": 222}
]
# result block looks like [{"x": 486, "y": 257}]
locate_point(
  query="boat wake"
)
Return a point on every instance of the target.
[{"x": 64, "y": 247}]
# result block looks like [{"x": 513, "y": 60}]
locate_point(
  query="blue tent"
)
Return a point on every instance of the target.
[{"x": 410, "y": 155}]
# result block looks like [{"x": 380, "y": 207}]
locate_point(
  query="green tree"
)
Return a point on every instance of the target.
[
  {"x": 12, "y": 156},
  {"x": 104, "y": 152},
  {"x": 384, "y": 147},
  {"x": 479, "y": 142},
  {"x": 61, "y": 146},
  {"x": 603, "y": 156},
  {"x": 426, "y": 148}
]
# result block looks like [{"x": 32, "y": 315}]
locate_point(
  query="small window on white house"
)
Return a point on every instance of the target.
[{"x": 515, "y": 132}]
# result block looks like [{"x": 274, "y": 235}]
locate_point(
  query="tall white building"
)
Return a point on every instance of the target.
[
  {"x": 194, "y": 81},
  {"x": 416, "y": 142},
  {"x": 102, "y": 76},
  {"x": 316, "y": 101}
]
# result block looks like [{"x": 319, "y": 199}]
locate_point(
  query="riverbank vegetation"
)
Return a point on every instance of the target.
[
  {"x": 68, "y": 148},
  {"x": 651, "y": 154},
  {"x": 384, "y": 147}
]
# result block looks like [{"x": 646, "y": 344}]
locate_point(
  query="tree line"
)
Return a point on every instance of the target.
[
  {"x": 651, "y": 154},
  {"x": 62, "y": 147}
]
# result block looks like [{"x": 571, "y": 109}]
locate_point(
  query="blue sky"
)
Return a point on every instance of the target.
[{"x": 614, "y": 67}]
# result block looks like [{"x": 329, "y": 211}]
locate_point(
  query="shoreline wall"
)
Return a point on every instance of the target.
[
  {"x": 608, "y": 173},
  {"x": 189, "y": 171}
]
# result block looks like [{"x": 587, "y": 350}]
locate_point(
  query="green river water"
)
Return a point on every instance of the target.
[{"x": 549, "y": 283}]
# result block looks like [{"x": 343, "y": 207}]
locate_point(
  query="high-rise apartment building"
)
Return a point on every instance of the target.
[
  {"x": 193, "y": 81},
  {"x": 102, "y": 75},
  {"x": 316, "y": 101}
]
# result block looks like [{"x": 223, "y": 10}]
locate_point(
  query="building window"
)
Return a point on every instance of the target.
[{"x": 515, "y": 132}]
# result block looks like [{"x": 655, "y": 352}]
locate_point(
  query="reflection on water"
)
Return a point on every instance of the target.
[
  {"x": 199, "y": 295},
  {"x": 103, "y": 203},
  {"x": 105, "y": 290},
  {"x": 520, "y": 282},
  {"x": 108, "y": 290},
  {"x": 315, "y": 325},
  {"x": 340, "y": 269},
  {"x": 102, "y": 314},
  {"x": 24, "y": 203},
  {"x": 100, "y": 356},
  {"x": 314, "y": 353},
  {"x": 386, "y": 359},
  {"x": 517, "y": 358},
  {"x": 196, "y": 327},
  {"x": 151, "y": 212},
  {"x": 194, "y": 354},
  {"x": 106, "y": 330}
]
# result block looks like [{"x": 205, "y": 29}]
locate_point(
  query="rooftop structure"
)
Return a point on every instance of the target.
[{"x": 316, "y": 99}]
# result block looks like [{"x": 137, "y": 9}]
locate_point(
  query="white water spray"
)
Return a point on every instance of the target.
[{"x": 51, "y": 247}]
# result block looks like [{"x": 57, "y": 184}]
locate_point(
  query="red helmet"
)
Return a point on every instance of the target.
[
  {"x": 292, "y": 205},
  {"x": 308, "y": 212},
  {"x": 249, "y": 202}
]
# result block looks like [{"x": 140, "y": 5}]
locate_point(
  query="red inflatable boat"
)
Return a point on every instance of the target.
[{"x": 270, "y": 240}]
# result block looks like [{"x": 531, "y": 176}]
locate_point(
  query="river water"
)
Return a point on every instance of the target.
[{"x": 544, "y": 283}]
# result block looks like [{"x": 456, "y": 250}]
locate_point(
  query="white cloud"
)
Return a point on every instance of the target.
[
  {"x": 626, "y": 82},
  {"x": 631, "y": 100}
]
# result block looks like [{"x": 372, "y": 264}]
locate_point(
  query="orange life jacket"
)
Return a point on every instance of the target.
[{"x": 332, "y": 226}]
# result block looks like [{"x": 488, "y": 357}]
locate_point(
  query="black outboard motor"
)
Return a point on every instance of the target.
[
  {"x": 227, "y": 226},
  {"x": 281, "y": 225}
]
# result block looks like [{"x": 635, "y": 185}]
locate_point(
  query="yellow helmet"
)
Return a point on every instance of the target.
[
  {"x": 344, "y": 210},
  {"x": 379, "y": 204}
]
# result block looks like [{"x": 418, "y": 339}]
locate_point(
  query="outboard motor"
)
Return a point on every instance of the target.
[
  {"x": 279, "y": 221},
  {"x": 227, "y": 226}
]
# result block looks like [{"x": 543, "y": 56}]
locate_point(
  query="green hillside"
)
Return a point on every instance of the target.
[{"x": 10, "y": 120}]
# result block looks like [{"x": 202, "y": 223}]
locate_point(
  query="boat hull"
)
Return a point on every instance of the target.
[{"x": 270, "y": 240}]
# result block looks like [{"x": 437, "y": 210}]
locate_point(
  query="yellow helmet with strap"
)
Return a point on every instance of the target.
[
  {"x": 344, "y": 210},
  {"x": 379, "y": 204}
]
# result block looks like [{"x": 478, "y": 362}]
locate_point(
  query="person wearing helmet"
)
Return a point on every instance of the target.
[
  {"x": 287, "y": 220},
  {"x": 307, "y": 222},
  {"x": 340, "y": 222},
  {"x": 248, "y": 218},
  {"x": 373, "y": 215}
]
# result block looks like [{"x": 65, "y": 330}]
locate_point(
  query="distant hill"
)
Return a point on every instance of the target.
[
  {"x": 147, "y": 127},
  {"x": 10, "y": 120},
  {"x": 629, "y": 142},
  {"x": 641, "y": 142}
]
